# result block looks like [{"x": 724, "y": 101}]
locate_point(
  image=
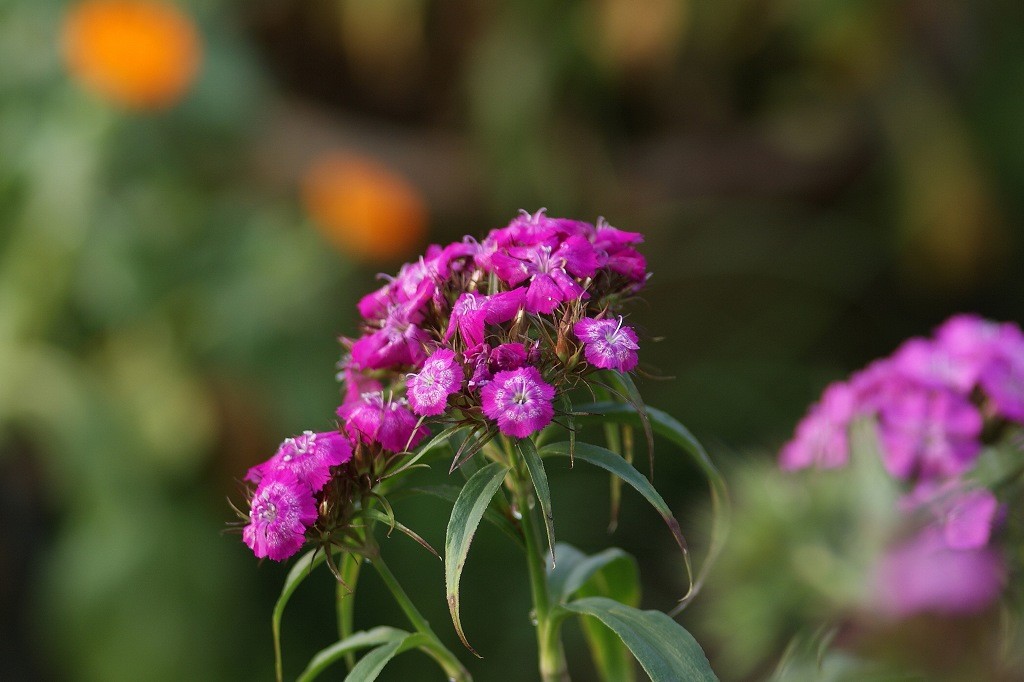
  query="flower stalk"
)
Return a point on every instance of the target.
[
  {"x": 434, "y": 648},
  {"x": 551, "y": 655}
]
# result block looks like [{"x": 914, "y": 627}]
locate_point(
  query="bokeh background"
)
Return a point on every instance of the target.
[{"x": 194, "y": 195}]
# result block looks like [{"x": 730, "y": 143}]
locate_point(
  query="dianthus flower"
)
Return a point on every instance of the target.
[
  {"x": 821, "y": 437},
  {"x": 440, "y": 377},
  {"x": 608, "y": 343},
  {"x": 550, "y": 271},
  {"x": 281, "y": 510},
  {"x": 376, "y": 419},
  {"x": 309, "y": 456},
  {"x": 929, "y": 433},
  {"x": 519, "y": 401}
]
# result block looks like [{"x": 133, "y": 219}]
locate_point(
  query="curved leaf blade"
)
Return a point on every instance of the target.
[
  {"x": 665, "y": 650},
  {"x": 672, "y": 430},
  {"x": 302, "y": 568},
  {"x": 358, "y": 640},
  {"x": 370, "y": 665},
  {"x": 528, "y": 451},
  {"x": 467, "y": 512},
  {"x": 612, "y": 573},
  {"x": 611, "y": 462},
  {"x": 450, "y": 493}
]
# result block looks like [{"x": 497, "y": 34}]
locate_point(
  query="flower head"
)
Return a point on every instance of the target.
[
  {"x": 440, "y": 377},
  {"x": 281, "y": 510},
  {"x": 608, "y": 343},
  {"x": 519, "y": 400}
]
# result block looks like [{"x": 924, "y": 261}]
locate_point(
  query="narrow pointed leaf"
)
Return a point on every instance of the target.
[
  {"x": 440, "y": 440},
  {"x": 342, "y": 648},
  {"x": 636, "y": 401},
  {"x": 469, "y": 508},
  {"x": 528, "y": 452},
  {"x": 611, "y": 462},
  {"x": 669, "y": 428},
  {"x": 302, "y": 568},
  {"x": 665, "y": 650},
  {"x": 614, "y": 574},
  {"x": 384, "y": 518},
  {"x": 450, "y": 493},
  {"x": 370, "y": 665}
]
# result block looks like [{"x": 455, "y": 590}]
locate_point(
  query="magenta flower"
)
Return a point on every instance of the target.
[
  {"x": 929, "y": 433},
  {"x": 378, "y": 420},
  {"x": 1003, "y": 377},
  {"x": 309, "y": 456},
  {"x": 519, "y": 400},
  {"x": 926, "y": 575},
  {"x": 821, "y": 437},
  {"x": 550, "y": 271},
  {"x": 608, "y": 343},
  {"x": 615, "y": 250},
  {"x": 440, "y": 377},
  {"x": 472, "y": 312},
  {"x": 398, "y": 342},
  {"x": 281, "y": 510},
  {"x": 965, "y": 517}
]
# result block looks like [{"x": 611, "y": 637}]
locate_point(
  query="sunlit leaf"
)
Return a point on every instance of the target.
[
  {"x": 469, "y": 508},
  {"x": 359, "y": 640},
  {"x": 370, "y": 665},
  {"x": 665, "y": 650},
  {"x": 614, "y": 574}
]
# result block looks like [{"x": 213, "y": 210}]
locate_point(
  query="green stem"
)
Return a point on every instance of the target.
[
  {"x": 551, "y": 656},
  {"x": 445, "y": 658},
  {"x": 345, "y": 595}
]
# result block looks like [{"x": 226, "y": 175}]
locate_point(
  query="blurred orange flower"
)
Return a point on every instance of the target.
[
  {"x": 365, "y": 209},
  {"x": 141, "y": 54}
]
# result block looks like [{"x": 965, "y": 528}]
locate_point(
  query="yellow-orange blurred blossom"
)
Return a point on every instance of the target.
[
  {"x": 365, "y": 209},
  {"x": 141, "y": 54}
]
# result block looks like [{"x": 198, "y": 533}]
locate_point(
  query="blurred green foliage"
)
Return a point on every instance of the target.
[{"x": 817, "y": 180}]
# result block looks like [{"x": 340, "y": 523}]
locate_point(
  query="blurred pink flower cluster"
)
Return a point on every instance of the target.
[{"x": 936, "y": 403}]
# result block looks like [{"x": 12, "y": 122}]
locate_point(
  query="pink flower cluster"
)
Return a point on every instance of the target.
[
  {"x": 491, "y": 329},
  {"x": 934, "y": 402},
  {"x": 284, "y": 505},
  {"x": 483, "y": 333}
]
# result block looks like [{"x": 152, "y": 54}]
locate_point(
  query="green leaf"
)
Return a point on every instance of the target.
[
  {"x": 441, "y": 439},
  {"x": 302, "y": 568},
  {"x": 394, "y": 524},
  {"x": 665, "y": 650},
  {"x": 528, "y": 452},
  {"x": 370, "y": 665},
  {"x": 469, "y": 508},
  {"x": 614, "y": 574},
  {"x": 669, "y": 428},
  {"x": 611, "y": 462},
  {"x": 359, "y": 640},
  {"x": 636, "y": 401},
  {"x": 450, "y": 493}
]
